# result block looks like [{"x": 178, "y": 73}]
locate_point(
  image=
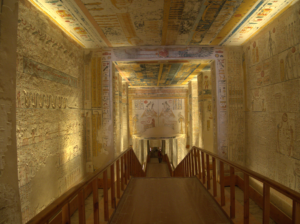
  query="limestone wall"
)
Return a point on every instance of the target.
[
  {"x": 50, "y": 117},
  {"x": 272, "y": 60},
  {"x": 10, "y": 208}
]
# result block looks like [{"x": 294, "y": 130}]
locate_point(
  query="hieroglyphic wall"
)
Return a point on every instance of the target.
[
  {"x": 214, "y": 106},
  {"x": 193, "y": 125},
  {"x": 125, "y": 118},
  {"x": 205, "y": 111},
  {"x": 99, "y": 100},
  {"x": 10, "y": 207},
  {"x": 50, "y": 116},
  {"x": 117, "y": 102},
  {"x": 221, "y": 102},
  {"x": 236, "y": 111},
  {"x": 272, "y": 99}
]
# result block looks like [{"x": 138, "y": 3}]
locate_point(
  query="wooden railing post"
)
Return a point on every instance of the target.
[
  {"x": 112, "y": 184},
  {"x": 296, "y": 212},
  {"x": 246, "y": 198},
  {"x": 203, "y": 167},
  {"x": 118, "y": 178},
  {"x": 96, "y": 200},
  {"x": 66, "y": 214},
  {"x": 192, "y": 158},
  {"x": 125, "y": 168},
  {"x": 128, "y": 163},
  {"x": 199, "y": 165},
  {"x": 222, "y": 184},
  {"x": 105, "y": 195},
  {"x": 81, "y": 207},
  {"x": 122, "y": 173},
  {"x": 232, "y": 193},
  {"x": 266, "y": 203},
  {"x": 208, "y": 171},
  {"x": 214, "y": 177}
]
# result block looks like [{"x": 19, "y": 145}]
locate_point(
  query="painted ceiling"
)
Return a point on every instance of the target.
[
  {"x": 116, "y": 23},
  {"x": 160, "y": 73}
]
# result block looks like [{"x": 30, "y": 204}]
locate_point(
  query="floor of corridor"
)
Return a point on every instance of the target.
[
  {"x": 156, "y": 169},
  {"x": 167, "y": 200}
]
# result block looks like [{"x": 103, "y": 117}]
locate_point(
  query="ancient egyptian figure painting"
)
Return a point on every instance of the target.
[{"x": 150, "y": 113}]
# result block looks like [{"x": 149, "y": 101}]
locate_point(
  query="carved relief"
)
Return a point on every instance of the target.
[{"x": 35, "y": 99}]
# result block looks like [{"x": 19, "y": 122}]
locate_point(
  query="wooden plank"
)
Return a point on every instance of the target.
[
  {"x": 81, "y": 207},
  {"x": 125, "y": 169},
  {"x": 266, "y": 203},
  {"x": 203, "y": 167},
  {"x": 246, "y": 199},
  {"x": 105, "y": 195},
  {"x": 222, "y": 184},
  {"x": 199, "y": 164},
  {"x": 214, "y": 177},
  {"x": 95, "y": 201},
  {"x": 296, "y": 212},
  {"x": 112, "y": 182},
  {"x": 122, "y": 173},
  {"x": 232, "y": 193},
  {"x": 118, "y": 179},
  {"x": 207, "y": 172},
  {"x": 65, "y": 214}
]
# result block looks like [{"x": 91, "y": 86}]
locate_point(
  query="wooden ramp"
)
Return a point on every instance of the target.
[
  {"x": 167, "y": 200},
  {"x": 156, "y": 169}
]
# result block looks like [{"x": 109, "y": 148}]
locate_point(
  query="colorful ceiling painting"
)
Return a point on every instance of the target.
[
  {"x": 68, "y": 15},
  {"x": 123, "y": 23},
  {"x": 160, "y": 73}
]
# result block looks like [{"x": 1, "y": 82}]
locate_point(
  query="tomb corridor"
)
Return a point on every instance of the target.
[{"x": 149, "y": 111}]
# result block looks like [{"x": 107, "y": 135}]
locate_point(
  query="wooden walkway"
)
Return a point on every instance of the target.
[
  {"x": 167, "y": 200},
  {"x": 156, "y": 169}
]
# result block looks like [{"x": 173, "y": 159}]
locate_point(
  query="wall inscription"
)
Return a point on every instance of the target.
[{"x": 34, "y": 68}]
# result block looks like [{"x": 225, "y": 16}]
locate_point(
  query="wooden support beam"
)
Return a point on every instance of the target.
[
  {"x": 118, "y": 178},
  {"x": 199, "y": 164},
  {"x": 266, "y": 203},
  {"x": 222, "y": 184},
  {"x": 246, "y": 199},
  {"x": 122, "y": 173},
  {"x": 125, "y": 169},
  {"x": 105, "y": 195},
  {"x": 96, "y": 200},
  {"x": 66, "y": 214},
  {"x": 203, "y": 167},
  {"x": 296, "y": 212},
  {"x": 208, "y": 172},
  {"x": 193, "y": 162},
  {"x": 232, "y": 193},
  {"x": 112, "y": 182},
  {"x": 81, "y": 207},
  {"x": 214, "y": 177}
]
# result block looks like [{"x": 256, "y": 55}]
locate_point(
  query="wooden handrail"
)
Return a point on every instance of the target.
[
  {"x": 55, "y": 207},
  {"x": 192, "y": 163},
  {"x": 273, "y": 184}
]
